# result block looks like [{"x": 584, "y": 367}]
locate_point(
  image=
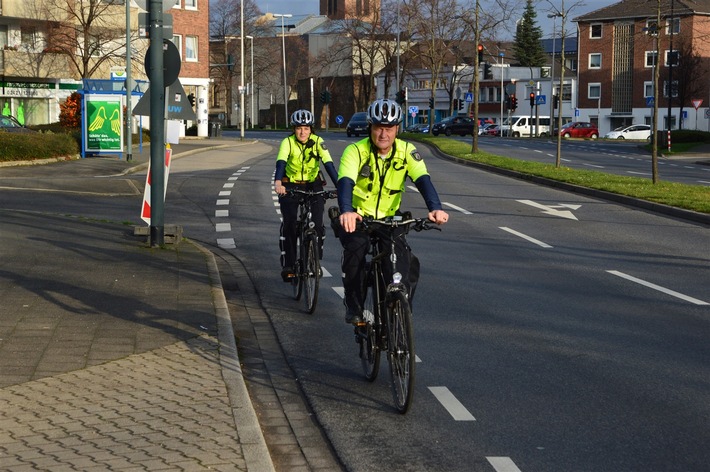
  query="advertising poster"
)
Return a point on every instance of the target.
[{"x": 103, "y": 124}]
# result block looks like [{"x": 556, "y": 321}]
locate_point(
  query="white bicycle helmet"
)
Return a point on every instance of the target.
[
  {"x": 384, "y": 112},
  {"x": 302, "y": 118}
]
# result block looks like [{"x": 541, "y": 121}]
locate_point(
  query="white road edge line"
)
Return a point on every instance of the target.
[
  {"x": 503, "y": 464},
  {"x": 457, "y": 208},
  {"x": 452, "y": 405},
  {"x": 658, "y": 287},
  {"x": 526, "y": 237}
]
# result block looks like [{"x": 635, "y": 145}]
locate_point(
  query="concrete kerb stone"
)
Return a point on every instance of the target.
[{"x": 251, "y": 438}]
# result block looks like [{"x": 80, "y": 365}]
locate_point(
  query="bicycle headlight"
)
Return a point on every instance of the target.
[
  {"x": 311, "y": 224},
  {"x": 397, "y": 278}
]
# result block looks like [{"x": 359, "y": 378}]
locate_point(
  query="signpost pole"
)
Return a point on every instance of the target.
[{"x": 157, "y": 131}]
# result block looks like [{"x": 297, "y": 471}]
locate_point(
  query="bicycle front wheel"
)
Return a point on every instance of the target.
[
  {"x": 311, "y": 273},
  {"x": 400, "y": 350},
  {"x": 370, "y": 334}
]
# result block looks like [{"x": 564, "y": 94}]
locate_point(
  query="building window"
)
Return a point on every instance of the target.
[
  {"x": 651, "y": 58},
  {"x": 676, "y": 26},
  {"x": 648, "y": 89},
  {"x": 29, "y": 38},
  {"x": 665, "y": 88},
  {"x": 671, "y": 58},
  {"x": 595, "y": 31},
  {"x": 191, "y": 48},
  {"x": 177, "y": 41},
  {"x": 191, "y": 4},
  {"x": 595, "y": 61},
  {"x": 594, "y": 91}
]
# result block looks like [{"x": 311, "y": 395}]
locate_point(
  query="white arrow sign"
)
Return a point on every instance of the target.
[{"x": 552, "y": 210}]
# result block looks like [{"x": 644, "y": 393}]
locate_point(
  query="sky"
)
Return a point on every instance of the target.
[{"x": 302, "y": 7}]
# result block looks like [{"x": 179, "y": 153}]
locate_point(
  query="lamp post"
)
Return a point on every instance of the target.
[
  {"x": 251, "y": 87},
  {"x": 554, "y": 17},
  {"x": 283, "y": 47},
  {"x": 501, "y": 54},
  {"x": 671, "y": 59},
  {"x": 241, "y": 72}
]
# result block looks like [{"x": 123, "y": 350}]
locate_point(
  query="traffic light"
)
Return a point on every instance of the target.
[
  {"x": 325, "y": 96},
  {"x": 554, "y": 102},
  {"x": 431, "y": 102},
  {"x": 514, "y": 103},
  {"x": 532, "y": 99},
  {"x": 401, "y": 97},
  {"x": 461, "y": 103},
  {"x": 480, "y": 53},
  {"x": 322, "y": 97},
  {"x": 487, "y": 71},
  {"x": 230, "y": 62},
  {"x": 191, "y": 99}
]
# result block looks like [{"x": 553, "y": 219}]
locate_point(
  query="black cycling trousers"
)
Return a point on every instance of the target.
[
  {"x": 355, "y": 248},
  {"x": 289, "y": 213}
]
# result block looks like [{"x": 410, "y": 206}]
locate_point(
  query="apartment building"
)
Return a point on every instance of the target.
[
  {"x": 46, "y": 51},
  {"x": 619, "y": 48}
]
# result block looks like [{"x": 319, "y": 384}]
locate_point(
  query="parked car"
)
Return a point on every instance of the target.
[
  {"x": 418, "y": 128},
  {"x": 579, "y": 129},
  {"x": 483, "y": 130},
  {"x": 357, "y": 124},
  {"x": 461, "y": 125},
  {"x": 491, "y": 130},
  {"x": 10, "y": 124},
  {"x": 630, "y": 132}
]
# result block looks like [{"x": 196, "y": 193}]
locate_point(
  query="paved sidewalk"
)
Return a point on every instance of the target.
[{"x": 115, "y": 355}]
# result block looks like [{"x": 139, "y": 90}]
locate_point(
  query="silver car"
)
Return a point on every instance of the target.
[{"x": 639, "y": 132}]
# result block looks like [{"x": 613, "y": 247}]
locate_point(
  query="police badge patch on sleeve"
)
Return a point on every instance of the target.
[
  {"x": 415, "y": 155},
  {"x": 323, "y": 146}
]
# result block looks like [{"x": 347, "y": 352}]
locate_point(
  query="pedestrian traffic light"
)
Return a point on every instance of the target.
[
  {"x": 431, "y": 102},
  {"x": 487, "y": 71},
  {"x": 532, "y": 99},
  {"x": 480, "y": 53},
  {"x": 401, "y": 97},
  {"x": 191, "y": 99}
]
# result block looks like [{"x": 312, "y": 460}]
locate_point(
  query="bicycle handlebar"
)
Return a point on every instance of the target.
[
  {"x": 313, "y": 193},
  {"x": 417, "y": 224}
]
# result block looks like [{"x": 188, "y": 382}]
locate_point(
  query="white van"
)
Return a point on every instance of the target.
[{"x": 517, "y": 126}]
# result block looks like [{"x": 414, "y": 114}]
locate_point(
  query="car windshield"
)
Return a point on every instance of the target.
[
  {"x": 621, "y": 128},
  {"x": 362, "y": 116}
]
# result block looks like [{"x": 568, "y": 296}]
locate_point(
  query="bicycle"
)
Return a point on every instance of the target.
[
  {"x": 387, "y": 314},
  {"x": 307, "y": 268}
]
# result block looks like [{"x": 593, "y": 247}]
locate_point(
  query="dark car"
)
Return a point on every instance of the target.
[
  {"x": 579, "y": 129},
  {"x": 418, "y": 128},
  {"x": 357, "y": 124},
  {"x": 10, "y": 124},
  {"x": 461, "y": 125}
]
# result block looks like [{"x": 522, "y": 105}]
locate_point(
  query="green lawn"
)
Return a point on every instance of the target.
[{"x": 689, "y": 197}]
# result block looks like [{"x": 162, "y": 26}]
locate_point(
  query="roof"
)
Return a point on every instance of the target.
[{"x": 632, "y": 9}]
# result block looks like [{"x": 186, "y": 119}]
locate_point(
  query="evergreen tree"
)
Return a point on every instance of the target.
[{"x": 527, "y": 47}]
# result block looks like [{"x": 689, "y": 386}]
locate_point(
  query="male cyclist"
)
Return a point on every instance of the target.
[
  {"x": 371, "y": 181},
  {"x": 297, "y": 167}
]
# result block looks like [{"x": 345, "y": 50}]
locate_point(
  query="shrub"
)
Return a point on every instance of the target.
[
  {"x": 21, "y": 146},
  {"x": 70, "y": 111}
]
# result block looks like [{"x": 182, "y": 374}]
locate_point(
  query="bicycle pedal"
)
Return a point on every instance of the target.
[{"x": 360, "y": 324}]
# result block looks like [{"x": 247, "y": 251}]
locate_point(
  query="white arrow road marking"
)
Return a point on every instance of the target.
[
  {"x": 658, "y": 287},
  {"x": 550, "y": 210},
  {"x": 526, "y": 237},
  {"x": 452, "y": 405},
  {"x": 502, "y": 464}
]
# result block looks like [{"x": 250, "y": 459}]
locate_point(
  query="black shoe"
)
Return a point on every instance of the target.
[
  {"x": 287, "y": 274},
  {"x": 353, "y": 316}
]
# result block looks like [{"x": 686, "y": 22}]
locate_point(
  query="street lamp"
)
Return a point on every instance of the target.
[
  {"x": 241, "y": 74},
  {"x": 554, "y": 16},
  {"x": 283, "y": 47},
  {"x": 251, "y": 87}
]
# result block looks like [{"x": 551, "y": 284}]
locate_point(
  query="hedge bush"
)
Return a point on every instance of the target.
[{"x": 29, "y": 146}]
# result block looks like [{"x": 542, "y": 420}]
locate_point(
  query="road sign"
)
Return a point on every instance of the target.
[
  {"x": 167, "y": 4},
  {"x": 649, "y": 101},
  {"x": 413, "y": 110},
  {"x": 469, "y": 97},
  {"x": 697, "y": 103},
  {"x": 178, "y": 106},
  {"x": 171, "y": 62},
  {"x": 339, "y": 119},
  {"x": 144, "y": 25},
  {"x": 541, "y": 100},
  {"x": 510, "y": 89}
]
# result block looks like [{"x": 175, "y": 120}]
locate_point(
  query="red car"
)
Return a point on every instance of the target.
[{"x": 579, "y": 129}]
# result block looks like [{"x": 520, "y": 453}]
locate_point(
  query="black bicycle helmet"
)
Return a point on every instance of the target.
[
  {"x": 302, "y": 118},
  {"x": 384, "y": 112}
]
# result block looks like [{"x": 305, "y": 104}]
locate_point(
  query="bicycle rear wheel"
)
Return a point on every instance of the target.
[
  {"x": 297, "y": 280},
  {"x": 369, "y": 335},
  {"x": 311, "y": 273},
  {"x": 401, "y": 350}
]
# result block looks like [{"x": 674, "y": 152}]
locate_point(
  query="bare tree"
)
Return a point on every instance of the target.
[{"x": 688, "y": 71}]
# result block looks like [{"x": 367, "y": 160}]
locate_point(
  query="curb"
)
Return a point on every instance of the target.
[{"x": 251, "y": 438}]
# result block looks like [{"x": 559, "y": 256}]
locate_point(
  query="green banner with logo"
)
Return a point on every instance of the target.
[{"x": 103, "y": 124}]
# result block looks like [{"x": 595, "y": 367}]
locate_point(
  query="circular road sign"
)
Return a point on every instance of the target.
[
  {"x": 339, "y": 119},
  {"x": 171, "y": 62}
]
